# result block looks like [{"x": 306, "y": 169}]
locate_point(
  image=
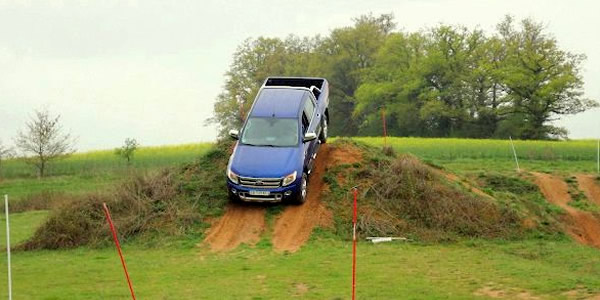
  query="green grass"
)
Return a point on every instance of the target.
[
  {"x": 105, "y": 161},
  {"x": 546, "y": 267},
  {"x": 385, "y": 271},
  {"x": 92, "y": 171},
  {"x": 467, "y": 155},
  {"x": 22, "y": 226}
]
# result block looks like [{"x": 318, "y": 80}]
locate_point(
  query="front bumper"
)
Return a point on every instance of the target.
[{"x": 275, "y": 195}]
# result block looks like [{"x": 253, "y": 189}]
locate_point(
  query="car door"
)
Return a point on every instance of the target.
[{"x": 309, "y": 118}]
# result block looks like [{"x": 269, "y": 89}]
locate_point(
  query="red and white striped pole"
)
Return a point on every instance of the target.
[
  {"x": 114, "y": 234},
  {"x": 355, "y": 192}
]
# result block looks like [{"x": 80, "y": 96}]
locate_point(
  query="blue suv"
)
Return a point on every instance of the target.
[{"x": 278, "y": 144}]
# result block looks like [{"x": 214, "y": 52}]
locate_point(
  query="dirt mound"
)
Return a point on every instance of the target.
[
  {"x": 171, "y": 202},
  {"x": 591, "y": 188},
  {"x": 340, "y": 155},
  {"x": 296, "y": 223},
  {"x": 293, "y": 227},
  {"x": 402, "y": 196},
  {"x": 583, "y": 226},
  {"x": 240, "y": 224},
  {"x": 468, "y": 186}
]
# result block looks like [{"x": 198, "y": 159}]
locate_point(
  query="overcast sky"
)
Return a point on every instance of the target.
[{"x": 152, "y": 69}]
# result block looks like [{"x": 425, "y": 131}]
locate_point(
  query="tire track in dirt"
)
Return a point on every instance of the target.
[
  {"x": 296, "y": 223},
  {"x": 241, "y": 223},
  {"x": 583, "y": 226},
  {"x": 590, "y": 187}
]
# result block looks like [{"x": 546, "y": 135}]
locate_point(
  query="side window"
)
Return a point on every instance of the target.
[
  {"x": 305, "y": 123},
  {"x": 309, "y": 109}
]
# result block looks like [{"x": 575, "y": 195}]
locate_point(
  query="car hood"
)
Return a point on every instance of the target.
[{"x": 265, "y": 162}]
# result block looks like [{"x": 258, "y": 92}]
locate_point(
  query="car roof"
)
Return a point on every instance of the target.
[{"x": 279, "y": 102}]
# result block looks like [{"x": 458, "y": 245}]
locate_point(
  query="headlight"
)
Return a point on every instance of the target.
[
  {"x": 287, "y": 180},
  {"x": 232, "y": 176}
]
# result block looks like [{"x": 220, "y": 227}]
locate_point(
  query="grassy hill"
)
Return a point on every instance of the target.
[{"x": 540, "y": 263}]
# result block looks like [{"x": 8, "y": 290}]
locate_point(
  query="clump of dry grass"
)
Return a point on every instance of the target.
[
  {"x": 408, "y": 189},
  {"x": 170, "y": 203},
  {"x": 44, "y": 200},
  {"x": 404, "y": 197}
]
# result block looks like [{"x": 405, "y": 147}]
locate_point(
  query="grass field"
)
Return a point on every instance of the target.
[
  {"x": 91, "y": 171},
  {"x": 321, "y": 270},
  {"x": 105, "y": 161},
  {"x": 468, "y": 155},
  {"x": 552, "y": 268}
]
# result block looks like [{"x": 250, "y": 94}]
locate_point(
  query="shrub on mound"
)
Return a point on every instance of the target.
[
  {"x": 401, "y": 196},
  {"x": 171, "y": 202}
]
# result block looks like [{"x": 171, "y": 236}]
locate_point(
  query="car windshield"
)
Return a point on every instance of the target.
[{"x": 276, "y": 132}]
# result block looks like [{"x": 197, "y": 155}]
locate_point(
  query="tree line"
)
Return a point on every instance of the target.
[{"x": 445, "y": 81}]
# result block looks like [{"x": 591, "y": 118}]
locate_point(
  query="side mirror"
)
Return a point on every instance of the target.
[
  {"x": 234, "y": 134},
  {"x": 309, "y": 136}
]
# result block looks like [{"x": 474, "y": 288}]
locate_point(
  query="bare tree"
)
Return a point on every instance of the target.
[
  {"x": 127, "y": 150},
  {"x": 5, "y": 153},
  {"x": 43, "y": 140}
]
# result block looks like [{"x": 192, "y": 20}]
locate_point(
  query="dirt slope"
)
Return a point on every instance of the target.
[
  {"x": 240, "y": 224},
  {"x": 583, "y": 226},
  {"x": 589, "y": 186},
  {"x": 455, "y": 178},
  {"x": 296, "y": 223},
  {"x": 245, "y": 223}
]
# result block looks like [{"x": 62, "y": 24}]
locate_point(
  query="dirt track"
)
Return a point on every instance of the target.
[
  {"x": 590, "y": 187},
  {"x": 240, "y": 224},
  {"x": 584, "y": 226},
  {"x": 296, "y": 223},
  {"x": 245, "y": 223}
]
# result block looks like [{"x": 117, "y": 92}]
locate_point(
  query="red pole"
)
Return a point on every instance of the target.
[
  {"x": 354, "y": 247},
  {"x": 114, "y": 234},
  {"x": 384, "y": 127}
]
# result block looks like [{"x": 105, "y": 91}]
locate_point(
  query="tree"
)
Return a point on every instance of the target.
[
  {"x": 127, "y": 150},
  {"x": 347, "y": 55},
  {"x": 543, "y": 81},
  {"x": 443, "y": 81},
  {"x": 253, "y": 62},
  {"x": 43, "y": 141},
  {"x": 5, "y": 153}
]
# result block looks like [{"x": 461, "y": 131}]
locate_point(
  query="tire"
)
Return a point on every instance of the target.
[
  {"x": 301, "y": 197},
  {"x": 233, "y": 198},
  {"x": 324, "y": 130}
]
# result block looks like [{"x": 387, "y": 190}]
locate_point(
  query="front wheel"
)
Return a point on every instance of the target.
[
  {"x": 233, "y": 198},
  {"x": 324, "y": 130},
  {"x": 301, "y": 196}
]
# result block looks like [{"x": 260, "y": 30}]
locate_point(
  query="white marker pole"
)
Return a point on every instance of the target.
[
  {"x": 8, "y": 247},
  {"x": 515, "y": 153}
]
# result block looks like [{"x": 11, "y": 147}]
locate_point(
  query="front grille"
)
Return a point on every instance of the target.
[
  {"x": 273, "y": 197},
  {"x": 266, "y": 183}
]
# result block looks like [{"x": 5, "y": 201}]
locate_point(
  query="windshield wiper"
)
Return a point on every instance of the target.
[{"x": 260, "y": 145}]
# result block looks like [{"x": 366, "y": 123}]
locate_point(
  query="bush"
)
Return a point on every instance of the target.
[
  {"x": 169, "y": 203},
  {"x": 404, "y": 197}
]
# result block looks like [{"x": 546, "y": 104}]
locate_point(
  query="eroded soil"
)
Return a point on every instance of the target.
[
  {"x": 242, "y": 223},
  {"x": 245, "y": 223},
  {"x": 582, "y": 225}
]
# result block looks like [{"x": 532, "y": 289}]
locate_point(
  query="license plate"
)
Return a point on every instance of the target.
[{"x": 259, "y": 193}]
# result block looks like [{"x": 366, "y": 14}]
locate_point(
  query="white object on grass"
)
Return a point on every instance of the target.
[{"x": 381, "y": 239}]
